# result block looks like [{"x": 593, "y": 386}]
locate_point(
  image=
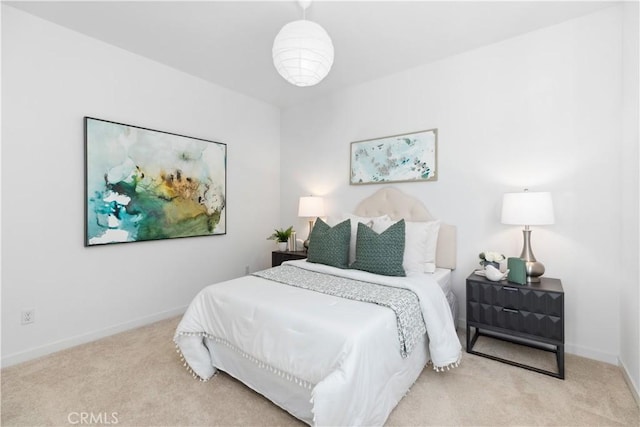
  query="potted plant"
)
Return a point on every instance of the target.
[{"x": 281, "y": 236}]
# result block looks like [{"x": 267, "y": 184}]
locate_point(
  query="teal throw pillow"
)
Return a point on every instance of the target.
[
  {"x": 380, "y": 253},
  {"x": 330, "y": 245}
]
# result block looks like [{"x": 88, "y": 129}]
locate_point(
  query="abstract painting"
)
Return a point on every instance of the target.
[
  {"x": 397, "y": 158},
  {"x": 144, "y": 184}
]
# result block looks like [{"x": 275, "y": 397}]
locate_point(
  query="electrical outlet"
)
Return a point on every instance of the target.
[
  {"x": 246, "y": 269},
  {"x": 28, "y": 316}
]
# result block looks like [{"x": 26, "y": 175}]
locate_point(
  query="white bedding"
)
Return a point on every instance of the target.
[
  {"x": 344, "y": 352},
  {"x": 443, "y": 277}
]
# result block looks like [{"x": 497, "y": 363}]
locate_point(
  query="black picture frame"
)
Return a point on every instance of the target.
[{"x": 144, "y": 184}]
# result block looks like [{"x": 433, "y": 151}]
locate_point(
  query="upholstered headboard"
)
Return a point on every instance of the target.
[{"x": 398, "y": 205}]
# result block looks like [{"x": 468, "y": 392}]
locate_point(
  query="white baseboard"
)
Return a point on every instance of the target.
[
  {"x": 33, "y": 353},
  {"x": 635, "y": 388},
  {"x": 590, "y": 353}
]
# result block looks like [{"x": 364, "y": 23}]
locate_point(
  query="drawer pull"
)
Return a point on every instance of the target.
[
  {"x": 508, "y": 288},
  {"x": 510, "y": 310}
]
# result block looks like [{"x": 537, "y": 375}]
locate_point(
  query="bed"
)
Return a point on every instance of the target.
[{"x": 290, "y": 334}]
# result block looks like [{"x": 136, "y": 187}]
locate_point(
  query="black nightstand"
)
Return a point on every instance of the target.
[
  {"x": 531, "y": 315},
  {"x": 278, "y": 257}
]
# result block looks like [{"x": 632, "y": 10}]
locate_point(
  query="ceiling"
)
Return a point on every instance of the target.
[{"x": 229, "y": 42}]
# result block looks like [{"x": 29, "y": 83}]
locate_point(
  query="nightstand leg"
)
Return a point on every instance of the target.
[
  {"x": 471, "y": 341},
  {"x": 468, "y": 336},
  {"x": 560, "y": 358}
]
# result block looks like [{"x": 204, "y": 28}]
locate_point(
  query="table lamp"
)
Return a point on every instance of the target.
[
  {"x": 310, "y": 207},
  {"x": 528, "y": 208}
]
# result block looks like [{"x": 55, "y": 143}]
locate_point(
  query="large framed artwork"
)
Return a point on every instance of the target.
[
  {"x": 145, "y": 184},
  {"x": 397, "y": 158}
]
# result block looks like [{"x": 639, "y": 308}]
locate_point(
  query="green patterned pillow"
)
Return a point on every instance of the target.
[
  {"x": 330, "y": 245},
  {"x": 380, "y": 253}
]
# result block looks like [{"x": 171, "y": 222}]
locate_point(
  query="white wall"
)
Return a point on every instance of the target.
[
  {"x": 630, "y": 280},
  {"x": 540, "y": 111},
  {"x": 51, "y": 78}
]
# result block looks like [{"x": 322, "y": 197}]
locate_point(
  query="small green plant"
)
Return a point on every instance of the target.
[{"x": 281, "y": 235}]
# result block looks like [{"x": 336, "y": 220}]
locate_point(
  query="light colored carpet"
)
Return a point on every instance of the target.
[{"x": 138, "y": 376}]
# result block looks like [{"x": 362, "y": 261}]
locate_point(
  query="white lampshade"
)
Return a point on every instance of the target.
[
  {"x": 303, "y": 53},
  {"x": 527, "y": 208},
  {"x": 311, "y": 207}
]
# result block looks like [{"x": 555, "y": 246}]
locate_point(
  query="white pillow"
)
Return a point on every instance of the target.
[
  {"x": 420, "y": 243},
  {"x": 369, "y": 222}
]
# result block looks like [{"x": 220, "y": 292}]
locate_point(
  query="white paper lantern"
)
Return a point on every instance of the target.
[{"x": 303, "y": 53}]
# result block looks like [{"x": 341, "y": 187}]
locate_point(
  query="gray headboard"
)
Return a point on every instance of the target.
[{"x": 398, "y": 205}]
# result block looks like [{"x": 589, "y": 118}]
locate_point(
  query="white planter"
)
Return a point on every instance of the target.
[{"x": 282, "y": 246}]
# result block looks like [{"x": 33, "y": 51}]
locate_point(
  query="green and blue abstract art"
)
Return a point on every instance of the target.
[{"x": 144, "y": 184}]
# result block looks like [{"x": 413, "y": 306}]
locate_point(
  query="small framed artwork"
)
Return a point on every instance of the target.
[
  {"x": 144, "y": 184},
  {"x": 397, "y": 158}
]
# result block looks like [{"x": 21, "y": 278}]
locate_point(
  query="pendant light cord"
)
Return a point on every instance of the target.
[{"x": 304, "y": 4}]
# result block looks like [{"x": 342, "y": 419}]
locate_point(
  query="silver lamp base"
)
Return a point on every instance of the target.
[
  {"x": 306, "y": 242},
  {"x": 533, "y": 267}
]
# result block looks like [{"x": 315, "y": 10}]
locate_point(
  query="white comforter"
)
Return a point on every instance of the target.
[{"x": 345, "y": 351}]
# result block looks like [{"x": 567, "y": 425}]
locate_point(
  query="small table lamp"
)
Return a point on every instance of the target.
[
  {"x": 310, "y": 207},
  {"x": 528, "y": 208}
]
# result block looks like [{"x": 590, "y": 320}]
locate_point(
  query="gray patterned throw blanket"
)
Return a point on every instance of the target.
[{"x": 404, "y": 303}]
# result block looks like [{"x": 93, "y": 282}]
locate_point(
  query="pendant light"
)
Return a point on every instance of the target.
[{"x": 303, "y": 51}]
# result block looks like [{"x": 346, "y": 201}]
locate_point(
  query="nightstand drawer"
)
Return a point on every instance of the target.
[
  {"x": 519, "y": 297},
  {"x": 522, "y": 321}
]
